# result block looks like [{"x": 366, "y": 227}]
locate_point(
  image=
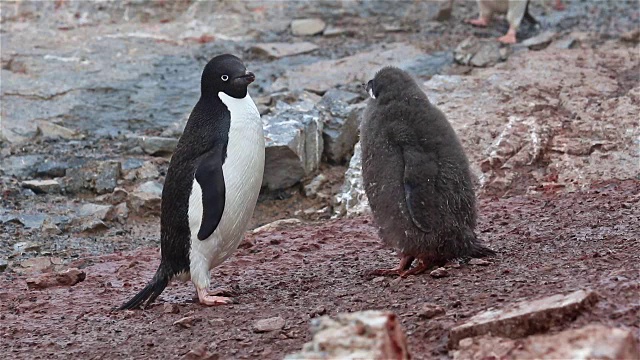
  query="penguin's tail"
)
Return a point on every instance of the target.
[
  {"x": 475, "y": 248},
  {"x": 150, "y": 292}
]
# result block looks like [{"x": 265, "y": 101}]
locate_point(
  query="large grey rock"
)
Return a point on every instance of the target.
[
  {"x": 480, "y": 52},
  {"x": 156, "y": 145},
  {"x": 340, "y": 132},
  {"x": 98, "y": 176},
  {"x": 146, "y": 199},
  {"x": 303, "y": 27},
  {"x": 21, "y": 166},
  {"x": 293, "y": 144},
  {"x": 57, "y": 167},
  {"x": 29, "y": 221},
  {"x": 360, "y": 335},
  {"x": 280, "y": 50},
  {"x": 359, "y": 68},
  {"x": 352, "y": 199}
]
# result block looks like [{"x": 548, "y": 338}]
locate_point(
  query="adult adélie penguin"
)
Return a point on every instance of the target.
[{"x": 212, "y": 184}]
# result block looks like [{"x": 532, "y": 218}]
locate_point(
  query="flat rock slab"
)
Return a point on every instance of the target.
[
  {"x": 524, "y": 318},
  {"x": 590, "y": 342},
  {"x": 360, "y": 335},
  {"x": 359, "y": 68},
  {"x": 42, "y": 186},
  {"x": 280, "y": 50},
  {"x": 480, "y": 52}
]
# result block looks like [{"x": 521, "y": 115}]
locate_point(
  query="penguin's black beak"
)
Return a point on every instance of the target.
[{"x": 247, "y": 78}]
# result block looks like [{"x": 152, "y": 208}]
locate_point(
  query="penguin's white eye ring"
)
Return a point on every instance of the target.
[{"x": 224, "y": 77}]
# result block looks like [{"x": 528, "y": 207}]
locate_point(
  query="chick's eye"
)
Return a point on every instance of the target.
[{"x": 224, "y": 77}]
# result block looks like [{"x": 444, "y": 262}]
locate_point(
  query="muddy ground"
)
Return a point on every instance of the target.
[
  {"x": 552, "y": 240},
  {"x": 549, "y": 244}
]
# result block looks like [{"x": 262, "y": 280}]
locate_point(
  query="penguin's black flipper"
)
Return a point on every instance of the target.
[
  {"x": 211, "y": 180},
  {"x": 420, "y": 189}
]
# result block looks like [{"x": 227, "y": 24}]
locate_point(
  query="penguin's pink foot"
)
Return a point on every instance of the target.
[
  {"x": 405, "y": 263},
  {"x": 508, "y": 38},
  {"x": 481, "y": 22},
  {"x": 422, "y": 266},
  {"x": 211, "y": 300}
]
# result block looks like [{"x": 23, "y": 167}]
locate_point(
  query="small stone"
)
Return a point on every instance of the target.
[
  {"x": 480, "y": 52},
  {"x": 439, "y": 273},
  {"x": 119, "y": 195},
  {"x": 186, "y": 322},
  {"x": 318, "y": 311},
  {"x": 42, "y": 186},
  {"x": 280, "y": 50},
  {"x": 93, "y": 225},
  {"x": 311, "y": 189},
  {"x": 49, "y": 227},
  {"x": 94, "y": 211},
  {"x": 49, "y": 130},
  {"x": 200, "y": 353},
  {"x": 156, "y": 145},
  {"x": 68, "y": 277},
  {"x": 333, "y": 31},
  {"x": 392, "y": 28},
  {"x": 429, "y": 311},
  {"x": 524, "y": 318},
  {"x": 3, "y": 265},
  {"x": 216, "y": 322},
  {"x": 25, "y": 246},
  {"x": 170, "y": 309},
  {"x": 278, "y": 225},
  {"x": 148, "y": 170},
  {"x": 119, "y": 213},
  {"x": 305, "y": 27},
  {"x": 632, "y": 36},
  {"x": 270, "y": 324},
  {"x": 479, "y": 262},
  {"x": 540, "y": 41}
]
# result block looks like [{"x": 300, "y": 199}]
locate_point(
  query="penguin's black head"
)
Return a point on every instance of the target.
[
  {"x": 226, "y": 73},
  {"x": 389, "y": 81}
]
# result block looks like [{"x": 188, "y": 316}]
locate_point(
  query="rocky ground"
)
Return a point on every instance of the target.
[{"x": 94, "y": 97}]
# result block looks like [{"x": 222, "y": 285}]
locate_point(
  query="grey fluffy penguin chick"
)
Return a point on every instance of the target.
[
  {"x": 212, "y": 183},
  {"x": 416, "y": 176}
]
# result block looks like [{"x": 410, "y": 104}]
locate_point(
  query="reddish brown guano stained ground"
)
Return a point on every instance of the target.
[{"x": 547, "y": 244}]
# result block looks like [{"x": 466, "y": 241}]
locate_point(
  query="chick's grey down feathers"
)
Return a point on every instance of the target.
[{"x": 416, "y": 174}]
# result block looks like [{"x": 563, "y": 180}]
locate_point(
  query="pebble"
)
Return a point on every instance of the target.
[
  {"x": 439, "y": 273},
  {"x": 3, "y": 265},
  {"x": 170, "y": 309},
  {"x": 479, "y": 262},
  {"x": 158, "y": 146},
  {"x": 185, "y": 322},
  {"x": 67, "y": 277},
  {"x": 311, "y": 189},
  {"x": 270, "y": 324},
  {"x": 306, "y": 27},
  {"x": 429, "y": 311}
]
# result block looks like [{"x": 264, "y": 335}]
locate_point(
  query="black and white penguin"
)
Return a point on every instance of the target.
[
  {"x": 212, "y": 184},
  {"x": 416, "y": 176}
]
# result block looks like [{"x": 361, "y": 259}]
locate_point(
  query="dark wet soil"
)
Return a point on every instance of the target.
[{"x": 547, "y": 244}]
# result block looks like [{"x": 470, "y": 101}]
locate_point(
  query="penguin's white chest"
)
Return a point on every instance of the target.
[{"x": 242, "y": 171}]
